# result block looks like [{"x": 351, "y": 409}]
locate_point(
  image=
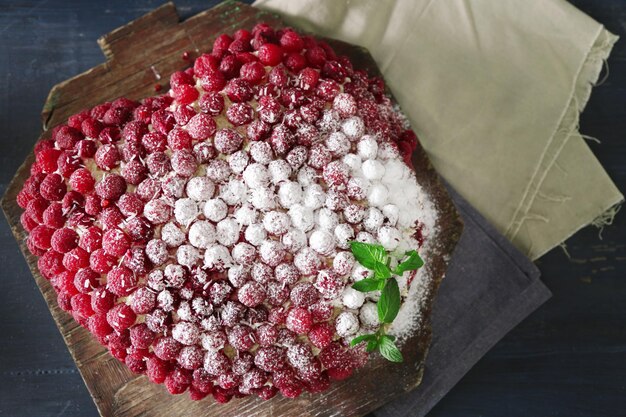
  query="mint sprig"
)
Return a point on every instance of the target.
[{"x": 377, "y": 259}]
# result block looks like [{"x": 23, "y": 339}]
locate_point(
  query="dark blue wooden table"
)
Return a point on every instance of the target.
[{"x": 567, "y": 359}]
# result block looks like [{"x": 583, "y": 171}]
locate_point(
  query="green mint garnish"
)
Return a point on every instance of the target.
[{"x": 377, "y": 259}]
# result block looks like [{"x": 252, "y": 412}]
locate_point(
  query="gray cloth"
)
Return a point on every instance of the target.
[{"x": 490, "y": 287}]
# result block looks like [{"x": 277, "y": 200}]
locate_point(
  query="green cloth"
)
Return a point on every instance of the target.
[{"x": 493, "y": 89}]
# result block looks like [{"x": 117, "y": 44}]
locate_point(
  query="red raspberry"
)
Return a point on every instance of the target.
[
  {"x": 71, "y": 201},
  {"x": 258, "y": 130},
  {"x": 75, "y": 120},
  {"x": 240, "y": 114},
  {"x": 177, "y": 139},
  {"x": 204, "y": 64},
  {"x": 107, "y": 157},
  {"x": 321, "y": 335},
  {"x": 270, "y": 54},
  {"x": 253, "y": 72},
  {"x": 211, "y": 103},
  {"x": 277, "y": 293},
  {"x": 91, "y": 127},
  {"x": 163, "y": 121},
  {"x": 115, "y": 242},
  {"x": 135, "y": 260},
  {"x": 241, "y": 338},
  {"x": 334, "y": 355},
  {"x": 327, "y": 89},
  {"x": 154, "y": 142},
  {"x": 278, "y": 76},
  {"x": 230, "y": 66},
  {"x": 340, "y": 373},
  {"x": 53, "y": 216},
  {"x": 316, "y": 56},
  {"x": 213, "y": 81},
  {"x": 143, "y": 300},
  {"x": 43, "y": 144},
  {"x": 35, "y": 209},
  {"x": 53, "y": 187},
  {"x": 66, "y": 137},
  {"x": 228, "y": 141},
  {"x": 47, "y": 159},
  {"x": 269, "y": 109},
  {"x": 134, "y": 131},
  {"x": 93, "y": 205},
  {"x": 42, "y": 236},
  {"x": 102, "y": 300},
  {"x": 295, "y": 62},
  {"x": 99, "y": 326},
  {"x": 67, "y": 163},
  {"x": 130, "y": 205},
  {"x": 29, "y": 224},
  {"x": 156, "y": 369},
  {"x": 82, "y": 181},
  {"x": 23, "y": 198},
  {"x": 86, "y": 148},
  {"x": 132, "y": 151},
  {"x": 319, "y": 156},
  {"x": 140, "y": 336},
  {"x": 321, "y": 311},
  {"x": 64, "y": 282},
  {"x": 239, "y": 90},
  {"x": 267, "y": 392},
  {"x": 281, "y": 139},
  {"x": 178, "y": 381},
  {"x": 299, "y": 320},
  {"x": 284, "y": 377},
  {"x": 116, "y": 116},
  {"x": 91, "y": 239},
  {"x": 166, "y": 348},
  {"x": 121, "y": 317},
  {"x": 158, "y": 164},
  {"x": 135, "y": 362},
  {"x": 124, "y": 102},
  {"x": 308, "y": 78},
  {"x": 190, "y": 357},
  {"x": 98, "y": 111},
  {"x": 120, "y": 280},
  {"x": 278, "y": 315},
  {"x": 111, "y": 187},
  {"x": 180, "y": 78},
  {"x": 184, "y": 163},
  {"x": 81, "y": 304},
  {"x": 185, "y": 93},
  {"x": 319, "y": 384},
  {"x": 101, "y": 262},
  {"x": 195, "y": 395},
  {"x": 64, "y": 240},
  {"x": 221, "y": 396},
  {"x": 304, "y": 294},
  {"x": 139, "y": 229},
  {"x": 134, "y": 172},
  {"x": 336, "y": 174},
  {"x": 291, "y": 41},
  {"x": 329, "y": 284},
  {"x": 222, "y": 42},
  {"x": 251, "y": 294},
  {"x": 64, "y": 300},
  {"x": 109, "y": 135},
  {"x": 76, "y": 259},
  {"x": 266, "y": 335},
  {"x": 201, "y": 126},
  {"x": 270, "y": 359},
  {"x": 238, "y": 46}
]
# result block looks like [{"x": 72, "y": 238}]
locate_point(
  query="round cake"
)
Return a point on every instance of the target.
[{"x": 233, "y": 236}]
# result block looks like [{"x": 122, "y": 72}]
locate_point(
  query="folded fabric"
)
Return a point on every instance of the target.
[
  {"x": 493, "y": 90},
  {"x": 478, "y": 303}
]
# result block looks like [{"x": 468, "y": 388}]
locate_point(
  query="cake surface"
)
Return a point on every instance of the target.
[{"x": 203, "y": 235}]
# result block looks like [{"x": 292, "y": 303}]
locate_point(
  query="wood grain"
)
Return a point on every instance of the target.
[{"x": 137, "y": 55}]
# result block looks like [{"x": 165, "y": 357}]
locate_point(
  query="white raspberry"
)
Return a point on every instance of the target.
[
  {"x": 227, "y": 231},
  {"x": 369, "y": 315},
  {"x": 372, "y": 169},
  {"x": 187, "y": 255},
  {"x": 327, "y": 219},
  {"x": 294, "y": 240},
  {"x": 389, "y": 237},
  {"x": 322, "y": 242},
  {"x": 388, "y": 150},
  {"x": 272, "y": 252},
  {"x": 217, "y": 257},
  {"x": 261, "y": 152},
  {"x": 346, "y": 324},
  {"x": 344, "y": 233},
  {"x": 186, "y": 333},
  {"x": 392, "y": 213},
  {"x": 185, "y": 211},
  {"x": 238, "y": 161},
  {"x": 358, "y": 188},
  {"x": 365, "y": 237},
  {"x": 215, "y": 209},
  {"x": 156, "y": 250},
  {"x": 172, "y": 235},
  {"x": 243, "y": 253},
  {"x": 263, "y": 199},
  {"x": 246, "y": 215},
  {"x": 353, "y": 161},
  {"x": 338, "y": 144},
  {"x": 279, "y": 171},
  {"x": 276, "y": 222},
  {"x": 255, "y": 234},
  {"x": 200, "y": 188},
  {"x": 352, "y": 298},
  {"x": 343, "y": 263},
  {"x": 306, "y": 176},
  {"x": 289, "y": 193},
  {"x": 360, "y": 272},
  {"x": 354, "y": 213},
  {"x": 303, "y": 218},
  {"x": 378, "y": 195},
  {"x": 234, "y": 192},
  {"x": 353, "y": 127},
  {"x": 307, "y": 261},
  {"x": 256, "y": 176},
  {"x": 202, "y": 234},
  {"x": 367, "y": 147},
  {"x": 314, "y": 196}
]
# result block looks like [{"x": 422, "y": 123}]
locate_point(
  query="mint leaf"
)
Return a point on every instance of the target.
[
  {"x": 368, "y": 255},
  {"x": 389, "y": 350},
  {"x": 389, "y": 302},
  {"x": 413, "y": 262},
  {"x": 372, "y": 345},
  {"x": 368, "y": 284},
  {"x": 362, "y": 338},
  {"x": 381, "y": 271}
]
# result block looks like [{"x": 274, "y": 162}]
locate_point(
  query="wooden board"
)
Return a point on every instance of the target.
[{"x": 137, "y": 55}]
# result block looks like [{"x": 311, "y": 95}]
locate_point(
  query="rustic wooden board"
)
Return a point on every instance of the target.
[{"x": 137, "y": 55}]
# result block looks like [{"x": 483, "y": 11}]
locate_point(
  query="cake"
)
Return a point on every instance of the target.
[{"x": 209, "y": 237}]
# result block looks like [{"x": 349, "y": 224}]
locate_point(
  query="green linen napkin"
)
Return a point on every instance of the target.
[{"x": 494, "y": 90}]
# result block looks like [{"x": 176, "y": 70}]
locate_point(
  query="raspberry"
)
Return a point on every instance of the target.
[
  {"x": 308, "y": 78},
  {"x": 75, "y": 120},
  {"x": 64, "y": 240},
  {"x": 334, "y": 356},
  {"x": 180, "y": 78},
  {"x": 253, "y": 72},
  {"x": 340, "y": 373},
  {"x": 321, "y": 335},
  {"x": 184, "y": 163},
  {"x": 121, "y": 317},
  {"x": 23, "y": 198},
  {"x": 111, "y": 187},
  {"x": 135, "y": 260},
  {"x": 270, "y": 359},
  {"x": 140, "y": 336},
  {"x": 64, "y": 282},
  {"x": 98, "y": 111},
  {"x": 130, "y": 205},
  {"x": 201, "y": 126},
  {"x": 163, "y": 121},
  {"x": 76, "y": 259},
  {"x": 251, "y": 294},
  {"x": 132, "y": 151},
  {"x": 221, "y": 396},
  {"x": 156, "y": 369},
  {"x": 239, "y": 90},
  {"x": 204, "y": 64},
  {"x": 134, "y": 131},
  {"x": 91, "y": 239},
  {"x": 295, "y": 62},
  {"x": 101, "y": 262},
  {"x": 228, "y": 141},
  {"x": 53, "y": 216},
  {"x": 269, "y": 109},
  {"x": 81, "y": 304},
  {"x": 115, "y": 242},
  {"x": 120, "y": 280},
  {"x": 258, "y": 130},
  {"x": 157, "y": 211},
  {"x": 91, "y": 127},
  {"x": 135, "y": 362},
  {"x": 177, "y": 139},
  {"x": 98, "y": 325},
  {"x": 277, "y": 294},
  {"x": 240, "y": 114},
  {"x": 281, "y": 139},
  {"x": 53, "y": 187},
  {"x": 319, "y": 156},
  {"x": 319, "y": 384},
  {"x": 86, "y": 148},
  {"x": 291, "y": 41},
  {"x": 329, "y": 284},
  {"x": 155, "y": 141},
  {"x": 29, "y": 224},
  {"x": 190, "y": 357},
  {"x": 299, "y": 320},
  {"x": 82, "y": 181},
  {"x": 178, "y": 381},
  {"x": 278, "y": 76},
  {"x": 47, "y": 159},
  {"x": 270, "y": 54},
  {"x": 102, "y": 300},
  {"x": 139, "y": 230},
  {"x": 109, "y": 135},
  {"x": 202, "y": 381},
  {"x": 327, "y": 89},
  {"x": 42, "y": 236},
  {"x": 67, "y": 163},
  {"x": 64, "y": 301},
  {"x": 185, "y": 93},
  {"x": 241, "y": 338},
  {"x": 36, "y": 208},
  {"x": 304, "y": 295},
  {"x": 336, "y": 174},
  {"x": 66, "y": 137},
  {"x": 211, "y": 103},
  {"x": 266, "y": 335},
  {"x": 116, "y": 116},
  {"x": 230, "y": 66},
  {"x": 195, "y": 395},
  {"x": 158, "y": 164},
  {"x": 213, "y": 81},
  {"x": 107, "y": 157}
]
